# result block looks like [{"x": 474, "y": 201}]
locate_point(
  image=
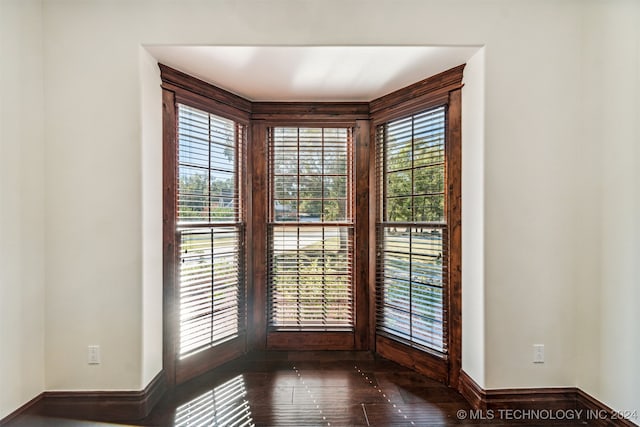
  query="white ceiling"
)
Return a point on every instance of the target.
[{"x": 311, "y": 73}]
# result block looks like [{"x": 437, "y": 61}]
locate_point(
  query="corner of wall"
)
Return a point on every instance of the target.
[
  {"x": 22, "y": 207},
  {"x": 607, "y": 310},
  {"x": 151, "y": 157},
  {"x": 473, "y": 276}
]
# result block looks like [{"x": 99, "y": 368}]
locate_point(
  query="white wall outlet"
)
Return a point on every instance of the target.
[
  {"x": 538, "y": 353},
  {"x": 93, "y": 356}
]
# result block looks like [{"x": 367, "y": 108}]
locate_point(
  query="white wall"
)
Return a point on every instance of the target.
[
  {"x": 151, "y": 205},
  {"x": 91, "y": 62},
  {"x": 532, "y": 136},
  {"x": 473, "y": 295},
  {"x": 21, "y": 204},
  {"x": 610, "y": 337},
  {"x": 93, "y": 196},
  {"x": 538, "y": 157}
]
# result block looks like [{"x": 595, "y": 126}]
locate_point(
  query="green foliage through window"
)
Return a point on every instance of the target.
[
  {"x": 310, "y": 235},
  {"x": 411, "y": 231},
  {"x": 210, "y": 230}
]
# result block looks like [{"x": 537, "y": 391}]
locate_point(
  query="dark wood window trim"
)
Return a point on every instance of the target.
[
  {"x": 417, "y": 97},
  {"x": 441, "y": 89},
  {"x": 177, "y": 89},
  {"x": 321, "y": 113},
  {"x": 270, "y": 114},
  {"x": 188, "y": 86},
  {"x": 309, "y": 330}
]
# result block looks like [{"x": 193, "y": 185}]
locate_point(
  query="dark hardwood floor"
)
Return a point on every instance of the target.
[{"x": 304, "y": 389}]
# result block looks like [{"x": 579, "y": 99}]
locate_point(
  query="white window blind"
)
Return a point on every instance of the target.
[{"x": 210, "y": 229}]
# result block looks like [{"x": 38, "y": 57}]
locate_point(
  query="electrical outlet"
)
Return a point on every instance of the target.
[
  {"x": 538, "y": 353},
  {"x": 93, "y": 356}
]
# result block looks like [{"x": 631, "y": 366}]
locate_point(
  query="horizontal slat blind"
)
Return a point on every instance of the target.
[
  {"x": 209, "y": 291},
  {"x": 311, "y": 174},
  {"x": 208, "y": 189},
  {"x": 210, "y": 229},
  {"x": 311, "y": 229},
  {"x": 411, "y": 230},
  {"x": 311, "y": 270},
  {"x": 410, "y": 285},
  {"x": 413, "y": 174}
]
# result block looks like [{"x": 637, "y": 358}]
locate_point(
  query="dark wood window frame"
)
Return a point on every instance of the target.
[
  {"x": 442, "y": 89},
  {"x": 179, "y": 89},
  {"x": 411, "y": 230},
  {"x": 268, "y": 115},
  {"x": 311, "y": 199}
]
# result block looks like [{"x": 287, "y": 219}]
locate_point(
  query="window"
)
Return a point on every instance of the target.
[
  {"x": 310, "y": 231},
  {"x": 210, "y": 229},
  {"x": 350, "y": 237},
  {"x": 412, "y": 237}
]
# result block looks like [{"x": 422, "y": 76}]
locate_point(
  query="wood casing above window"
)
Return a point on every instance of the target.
[
  {"x": 417, "y": 97},
  {"x": 186, "y": 86},
  {"x": 310, "y": 112}
]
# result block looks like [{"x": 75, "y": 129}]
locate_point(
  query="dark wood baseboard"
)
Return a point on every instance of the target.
[
  {"x": 154, "y": 391},
  {"x": 21, "y": 410},
  {"x": 551, "y": 399},
  {"x": 105, "y": 405},
  {"x": 603, "y": 414},
  {"x": 97, "y": 405},
  {"x": 471, "y": 391}
]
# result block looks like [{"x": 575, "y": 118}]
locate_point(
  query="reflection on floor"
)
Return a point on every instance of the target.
[
  {"x": 306, "y": 389},
  {"x": 225, "y": 405}
]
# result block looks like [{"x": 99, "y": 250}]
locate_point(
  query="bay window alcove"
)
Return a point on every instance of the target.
[{"x": 312, "y": 226}]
